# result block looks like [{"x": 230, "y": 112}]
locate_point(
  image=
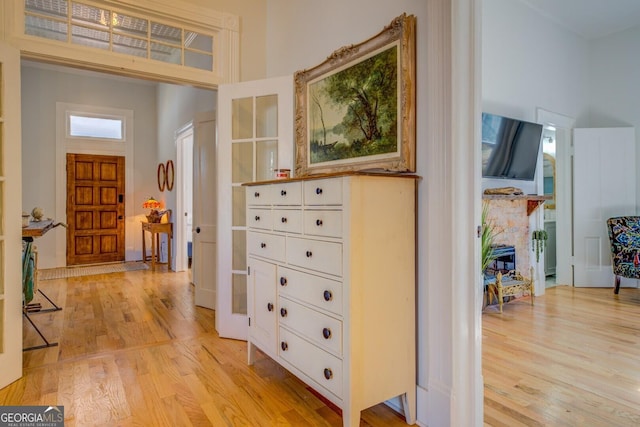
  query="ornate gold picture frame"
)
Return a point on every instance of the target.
[{"x": 356, "y": 110}]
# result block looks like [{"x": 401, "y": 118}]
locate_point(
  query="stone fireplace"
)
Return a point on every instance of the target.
[{"x": 510, "y": 215}]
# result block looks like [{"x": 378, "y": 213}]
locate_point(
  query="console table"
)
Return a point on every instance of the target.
[
  {"x": 156, "y": 228},
  {"x": 29, "y": 276}
]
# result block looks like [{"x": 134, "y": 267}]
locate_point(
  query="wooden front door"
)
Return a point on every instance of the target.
[{"x": 95, "y": 209}]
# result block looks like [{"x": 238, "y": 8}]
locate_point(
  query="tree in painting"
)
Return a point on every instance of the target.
[{"x": 354, "y": 112}]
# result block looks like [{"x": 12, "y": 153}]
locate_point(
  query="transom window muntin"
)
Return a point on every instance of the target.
[{"x": 108, "y": 29}]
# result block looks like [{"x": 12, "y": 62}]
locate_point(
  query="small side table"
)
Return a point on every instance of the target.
[{"x": 156, "y": 228}]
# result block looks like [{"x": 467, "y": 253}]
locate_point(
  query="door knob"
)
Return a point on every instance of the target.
[{"x": 198, "y": 230}]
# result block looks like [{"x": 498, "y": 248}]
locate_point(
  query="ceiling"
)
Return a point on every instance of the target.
[{"x": 591, "y": 19}]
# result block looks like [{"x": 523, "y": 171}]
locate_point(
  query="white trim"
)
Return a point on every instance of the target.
[
  {"x": 450, "y": 294},
  {"x": 124, "y": 148},
  {"x": 179, "y": 236}
]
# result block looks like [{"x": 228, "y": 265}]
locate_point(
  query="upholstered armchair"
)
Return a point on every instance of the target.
[{"x": 624, "y": 235}]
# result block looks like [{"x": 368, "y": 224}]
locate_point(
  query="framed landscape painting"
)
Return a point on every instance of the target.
[{"x": 356, "y": 110}]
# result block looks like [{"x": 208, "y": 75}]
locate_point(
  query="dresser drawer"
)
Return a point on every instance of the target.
[
  {"x": 287, "y": 220},
  {"x": 266, "y": 245},
  {"x": 315, "y": 255},
  {"x": 320, "y": 366},
  {"x": 318, "y": 291},
  {"x": 259, "y": 218},
  {"x": 322, "y": 330},
  {"x": 323, "y": 223},
  {"x": 322, "y": 192},
  {"x": 259, "y": 195},
  {"x": 287, "y": 194}
]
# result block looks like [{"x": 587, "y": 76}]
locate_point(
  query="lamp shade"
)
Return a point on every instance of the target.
[{"x": 151, "y": 203}]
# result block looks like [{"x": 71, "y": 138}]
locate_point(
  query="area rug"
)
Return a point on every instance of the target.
[{"x": 64, "y": 272}]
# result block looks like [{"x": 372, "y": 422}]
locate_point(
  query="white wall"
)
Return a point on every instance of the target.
[
  {"x": 41, "y": 89},
  {"x": 530, "y": 62}
]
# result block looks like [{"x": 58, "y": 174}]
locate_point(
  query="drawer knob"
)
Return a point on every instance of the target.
[
  {"x": 270, "y": 307},
  {"x": 263, "y": 245},
  {"x": 283, "y": 219},
  {"x": 283, "y": 193},
  {"x": 257, "y": 218},
  {"x": 309, "y": 254},
  {"x": 319, "y": 222},
  {"x": 318, "y": 190},
  {"x": 283, "y": 312},
  {"x": 256, "y": 194},
  {"x": 284, "y": 346},
  {"x": 326, "y": 333},
  {"x": 328, "y": 374},
  {"x": 283, "y": 281},
  {"x": 328, "y": 296}
]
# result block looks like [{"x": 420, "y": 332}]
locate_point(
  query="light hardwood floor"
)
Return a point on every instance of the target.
[
  {"x": 573, "y": 359},
  {"x": 134, "y": 351}
]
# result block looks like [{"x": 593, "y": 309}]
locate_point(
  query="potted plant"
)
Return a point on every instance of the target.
[{"x": 487, "y": 239}]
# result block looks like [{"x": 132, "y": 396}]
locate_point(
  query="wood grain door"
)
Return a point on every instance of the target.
[{"x": 95, "y": 209}]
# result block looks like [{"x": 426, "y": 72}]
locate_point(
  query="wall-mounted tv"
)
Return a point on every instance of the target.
[{"x": 509, "y": 147}]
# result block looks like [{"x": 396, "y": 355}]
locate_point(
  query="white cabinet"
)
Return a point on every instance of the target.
[{"x": 331, "y": 264}]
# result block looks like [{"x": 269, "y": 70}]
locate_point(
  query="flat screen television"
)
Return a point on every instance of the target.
[{"x": 509, "y": 147}]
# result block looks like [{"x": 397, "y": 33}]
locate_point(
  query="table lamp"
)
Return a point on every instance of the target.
[{"x": 154, "y": 214}]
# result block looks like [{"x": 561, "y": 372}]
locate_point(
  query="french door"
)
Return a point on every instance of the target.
[
  {"x": 255, "y": 130},
  {"x": 10, "y": 207}
]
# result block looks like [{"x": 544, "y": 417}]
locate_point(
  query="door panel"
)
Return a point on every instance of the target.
[
  {"x": 204, "y": 210},
  {"x": 95, "y": 209},
  {"x": 604, "y": 186}
]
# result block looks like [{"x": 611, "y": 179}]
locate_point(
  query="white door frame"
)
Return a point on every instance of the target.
[
  {"x": 564, "y": 193},
  {"x": 184, "y": 173}
]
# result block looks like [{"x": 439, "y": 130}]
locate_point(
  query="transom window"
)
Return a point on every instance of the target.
[
  {"x": 86, "y": 126},
  {"x": 108, "y": 29}
]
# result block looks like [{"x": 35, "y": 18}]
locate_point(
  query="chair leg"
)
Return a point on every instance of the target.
[{"x": 617, "y": 289}]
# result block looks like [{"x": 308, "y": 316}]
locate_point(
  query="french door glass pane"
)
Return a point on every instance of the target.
[
  {"x": 242, "y": 162},
  {"x": 267, "y": 116},
  {"x": 238, "y": 201},
  {"x": 266, "y": 159},
  {"x": 242, "y": 118},
  {"x": 239, "y": 294},
  {"x": 239, "y": 240}
]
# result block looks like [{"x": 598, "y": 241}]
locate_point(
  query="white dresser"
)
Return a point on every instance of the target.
[{"x": 331, "y": 289}]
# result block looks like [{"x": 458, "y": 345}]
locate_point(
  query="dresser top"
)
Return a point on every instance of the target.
[{"x": 336, "y": 175}]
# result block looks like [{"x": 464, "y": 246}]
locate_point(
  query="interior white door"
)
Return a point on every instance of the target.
[
  {"x": 604, "y": 185},
  {"x": 10, "y": 231},
  {"x": 255, "y": 131},
  {"x": 204, "y": 210}
]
